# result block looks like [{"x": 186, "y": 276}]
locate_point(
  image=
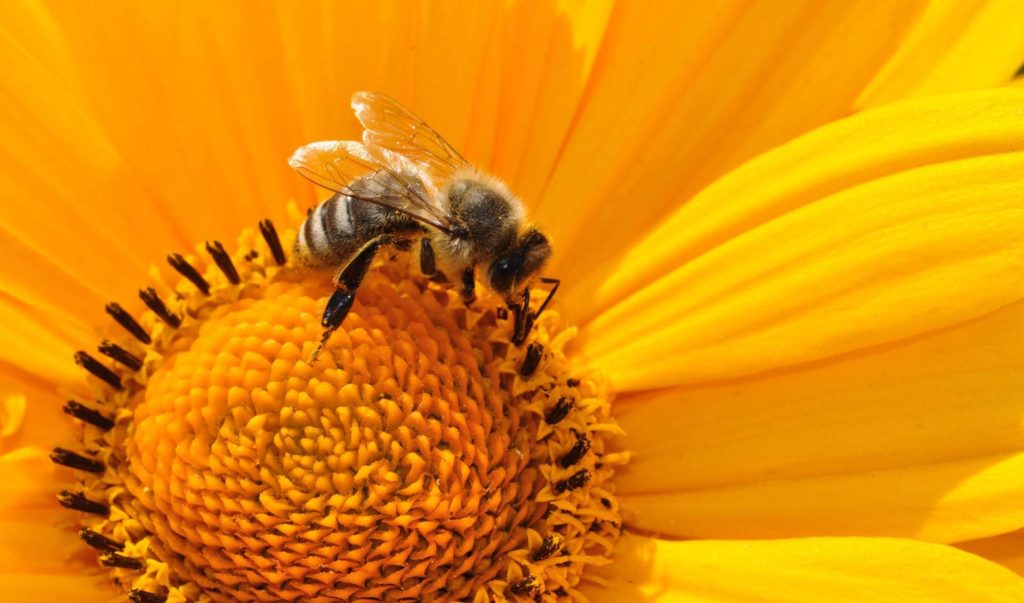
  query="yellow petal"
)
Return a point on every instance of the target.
[
  {"x": 682, "y": 92},
  {"x": 921, "y": 439},
  {"x": 40, "y": 422},
  {"x": 28, "y": 490},
  {"x": 955, "y": 45},
  {"x": 828, "y": 245},
  {"x": 799, "y": 570},
  {"x": 37, "y": 549},
  {"x": 59, "y": 588},
  {"x": 1006, "y": 549}
]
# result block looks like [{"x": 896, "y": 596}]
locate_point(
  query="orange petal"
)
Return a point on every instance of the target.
[
  {"x": 955, "y": 45},
  {"x": 1006, "y": 549},
  {"x": 799, "y": 570},
  {"x": 920, "y": 439},
  {"x": 682, "y": 92},
  {"x": 812, "y": 251},
  {"x": 59, "y": 588},
  {"x": 28, "y": 490}
]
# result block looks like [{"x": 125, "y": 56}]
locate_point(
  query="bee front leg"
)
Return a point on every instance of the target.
[
  {"x": 469, "y": 285},
  {"x": 345, "y": 295}
]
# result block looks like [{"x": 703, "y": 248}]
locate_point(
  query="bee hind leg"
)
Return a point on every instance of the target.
[{"x": 348, "y": 282}]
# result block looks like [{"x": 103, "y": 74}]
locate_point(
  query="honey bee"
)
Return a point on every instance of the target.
[{"x": 405, "y": 182}]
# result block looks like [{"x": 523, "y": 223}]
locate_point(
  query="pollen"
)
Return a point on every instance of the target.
[{"x": 422, "y": 456}]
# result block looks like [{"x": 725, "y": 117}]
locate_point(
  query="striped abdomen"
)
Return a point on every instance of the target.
[{"x": 340, "y": 226}]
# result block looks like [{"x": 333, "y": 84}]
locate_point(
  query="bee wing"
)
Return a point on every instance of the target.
[
  {"x": 390, "y": 126},
  {"x": 350, "y": 169}
]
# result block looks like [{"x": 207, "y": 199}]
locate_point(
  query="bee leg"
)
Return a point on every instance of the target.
[
  {"x": 343, "y": 298},
  {"x": 469, "y": 285},
  {"x": 428, "y": 263},
  {"x": 522, "y": 319},
  {"x": 548, "y": 281}
]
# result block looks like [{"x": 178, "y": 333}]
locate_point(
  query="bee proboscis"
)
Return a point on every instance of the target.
[{"x": 404, "y": 182}]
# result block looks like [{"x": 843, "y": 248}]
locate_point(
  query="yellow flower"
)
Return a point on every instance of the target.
[{"x": 792, "y": 238}]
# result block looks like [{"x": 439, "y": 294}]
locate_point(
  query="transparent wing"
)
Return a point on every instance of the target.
[
  {"x": 350, "y": 169},
  {"x": 390, "y": 126}
]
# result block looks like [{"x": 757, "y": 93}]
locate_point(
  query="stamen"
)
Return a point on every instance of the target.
[
  {"x": 531, "y": 360},
  {"x": 115, "y": 352},
  {"x": 223, "y": 260},
  {"x": 179, "y": 263},
  {"x": 153, "y": 302},
  {"x": 77, "y": 501},
  {"x": 559, "y": 411},
  {"x": 136, "y": 595},
  {"x": 526, "y": 587},
  {"x": 547, "y": 548},
  {"x": 101, "y": 372},
  {"x": 89, "y": 415},
  {"x": 68, "y": 458},
  {"x": 122, "y": 561},
  {"x": 576, "y": 453},
  {"x": 273, "y": 241},
  {"x": 99, "y": 541},
  {"x": 125, "y": 319},
  {"x": 573, "y": 482}
]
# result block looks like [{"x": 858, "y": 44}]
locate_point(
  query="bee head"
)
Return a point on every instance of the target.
[{"x": 522, "y": 261}]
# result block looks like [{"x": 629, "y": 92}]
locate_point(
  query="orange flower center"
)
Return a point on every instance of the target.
[{"x": 421, "y": 457}]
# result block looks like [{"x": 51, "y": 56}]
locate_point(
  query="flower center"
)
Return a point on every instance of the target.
[{"x": 421, "y": 457}]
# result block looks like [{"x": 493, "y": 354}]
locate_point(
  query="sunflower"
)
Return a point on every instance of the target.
[{"x": 791, "y": 241}]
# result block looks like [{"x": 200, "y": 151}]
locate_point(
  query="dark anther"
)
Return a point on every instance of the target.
[
  {"x": 561, "y": 592},
  {"x": 559, "y": 411},
  {"x": 531, "y": 360},
  {"x": 223, "y": 260},
  {"x": 273, "y": 242},
  {"x": 84, "y": 413},
  {"x": 574, "y": 382},
  {"x": 154, "y": 303},
  {"x": 502, "y": 313},
  {"x": 125, "y": 319},
  {"x": 179, "y": 263},
  {"x": 573, "y": 482},
  {"x": 63, "y": 456},
  {"x": 526, "y": 587},
  {"x": 251, "y": 255},
  {"x": 115, "y": 352},
  {"x": 78, "y": 502},
  {"x": 607, "y": 504},
  {"x": 547, "y": 548},
  {"x": 101, "y": 372},
  {"x": 123, "y": 561},
  {"x": 99, "y": 541},
  {"x": 136, "y": 595},
  {"x": 139, "y": 596},
  {"x": 575, "y": 453}
]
